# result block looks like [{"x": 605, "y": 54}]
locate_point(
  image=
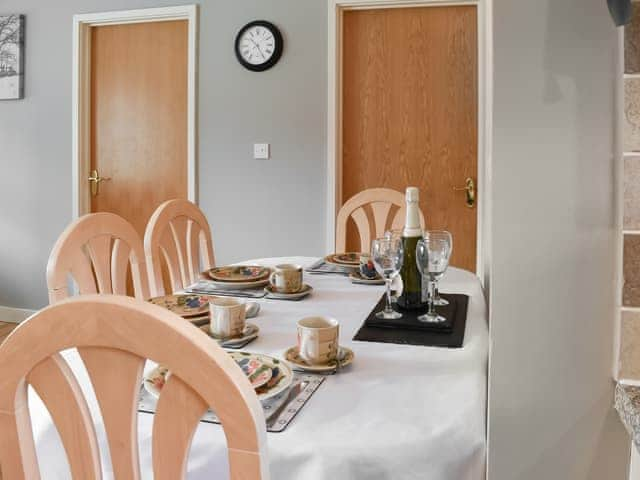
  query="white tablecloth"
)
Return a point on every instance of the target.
[{"x": 399, "y": 412}]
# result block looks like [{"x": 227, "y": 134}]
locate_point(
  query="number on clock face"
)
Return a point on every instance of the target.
[{"x": 257, "y": 45}]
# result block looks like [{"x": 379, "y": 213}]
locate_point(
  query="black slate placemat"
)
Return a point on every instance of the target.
[{"x": 409, "y": 330}]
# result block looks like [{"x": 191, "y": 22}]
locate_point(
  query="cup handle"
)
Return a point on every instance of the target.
[{"x": 251, "y": 309}]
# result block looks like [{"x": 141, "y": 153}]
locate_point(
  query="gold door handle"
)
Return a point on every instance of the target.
[
  {"x": 94, "y": 181},
  {"x": 470, "y": 188}
]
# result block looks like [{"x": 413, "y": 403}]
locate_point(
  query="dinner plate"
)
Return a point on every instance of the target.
[
  {"x": 281, "y": 379},
  {"x": 268, "y": 376},
  {"x": 349, "y": 259},
  {"x": 306, "y": 290},
  {"x": 249, "y": 333},
  {"x": 185, "y": 305},
  {"x": 239, "y": 273},
  {"x": 345, "y": 355},
  {"x": 239, "y": 285}
]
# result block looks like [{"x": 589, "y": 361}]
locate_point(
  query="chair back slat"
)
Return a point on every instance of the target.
[
  {"x": 81, "y": 269},
  {"x": 374, "y": 211},
  {"x": 91, "y": 251},
  {"x": 57, "y": 387},
  {"x": 178, "y": 412},
  {"x": 169, "y": 252},
  {"x": 178, "y": 236},
  {"x": 114, "y": 331},
  {"x": 119, "y": 266},
  {"x": 99, "y": 250},
  {"x": 17, "y": 448},
  {"x": 178, "y": 227},
  {"x": 361, "y": 220},
  {"x": 196, "y": 242},
  {"x": 381, "y": 218},
  {"x": 116, "y": 376}
]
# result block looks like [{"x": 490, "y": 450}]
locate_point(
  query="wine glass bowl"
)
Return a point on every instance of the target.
[
  {"x": 387, "y": 255},
  {"x": 433, "y": 252}
]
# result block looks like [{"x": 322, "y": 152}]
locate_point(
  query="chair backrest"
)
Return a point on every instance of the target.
[
  {"x": 96, "y": 251},
  {"x": 117, "y": 334},
  {"x": 374, "y": 211},
  {"x": 177, "y": 234}
]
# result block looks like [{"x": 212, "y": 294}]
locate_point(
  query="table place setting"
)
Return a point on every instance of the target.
[{"x": 281, "y": 391}]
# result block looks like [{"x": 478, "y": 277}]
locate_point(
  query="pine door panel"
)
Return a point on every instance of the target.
[{"x": 409, "y": 112}]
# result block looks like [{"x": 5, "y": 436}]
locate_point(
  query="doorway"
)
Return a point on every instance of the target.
[
  {"x": 134, "y": 111},
  {"x": 407, "y": 107}
]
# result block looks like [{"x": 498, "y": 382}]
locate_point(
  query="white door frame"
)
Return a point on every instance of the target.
[
  {"x": 485, "y": 97},
  {"x": 81, "y": 95}
]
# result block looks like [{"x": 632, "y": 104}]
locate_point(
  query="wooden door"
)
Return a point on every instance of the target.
[
  {"x": 409, "y": 112},
  {"x": 139, "y": 117}
]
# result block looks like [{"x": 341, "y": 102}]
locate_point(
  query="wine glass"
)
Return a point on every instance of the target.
[
  {"x": 438, "y": 300},
  {"x": 387, "y": 258},
  {"x": 432, "y": 257}
]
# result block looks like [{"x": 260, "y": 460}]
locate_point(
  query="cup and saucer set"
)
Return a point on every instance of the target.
[
  {"x": 286, "y": 283},
  {"x": 318, "y": 349},
  {"x": 361, "y": 269},
  {"x": 222, "y": 318}
]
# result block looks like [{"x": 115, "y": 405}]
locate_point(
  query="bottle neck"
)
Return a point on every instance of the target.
[{"x": 412, "y": 226}]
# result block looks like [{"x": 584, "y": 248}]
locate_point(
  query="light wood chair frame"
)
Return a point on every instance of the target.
[
  {"x": 96, "y": 250},
  {"x": 179, "y": 235},
  {"x": 117, "y": 334},
  {"x": 371, "y": 210}
]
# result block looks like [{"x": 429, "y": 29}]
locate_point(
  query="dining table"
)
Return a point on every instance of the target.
[{"x": 397, "y": 412}]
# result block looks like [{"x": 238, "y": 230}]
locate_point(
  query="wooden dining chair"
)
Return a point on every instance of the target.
[
  {"x": 118, "y": 334},
  {"x": 177, "y": 237},
  {"x": 374, "y": 211},
  {"x": 97, "y": 251}
]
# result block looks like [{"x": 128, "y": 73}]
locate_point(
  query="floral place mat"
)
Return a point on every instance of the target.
[{"x": 279, "y": 411}]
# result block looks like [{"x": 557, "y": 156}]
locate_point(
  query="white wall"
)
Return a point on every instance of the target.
[{"x": 552, "y": 297}]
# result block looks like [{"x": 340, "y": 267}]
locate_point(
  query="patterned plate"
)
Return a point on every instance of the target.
[
  {"x": 268, "y": 376},
  {"x": 356, "y": 277},
  {"x": 239, "y": 273},
  {"x": 345, "y": 355},
  {"x": 257, "y": 371},
  {"x": 350, "y": 259},
  {"x": 281, "y": 379},
  {"x": 185, "y": 305}
]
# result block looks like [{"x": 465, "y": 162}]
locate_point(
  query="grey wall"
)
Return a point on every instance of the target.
[
  {"x": 553, "y": 246},
  {"x": 256, "y": 207}
]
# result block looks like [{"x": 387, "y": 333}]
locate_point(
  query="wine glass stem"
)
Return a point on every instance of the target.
[
  {"x": 387, "y": 281},
  {"x": 432, "y": 290},
  {"x": 436, "y": 292}
]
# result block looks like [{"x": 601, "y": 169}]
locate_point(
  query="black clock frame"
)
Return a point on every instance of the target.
[{"x": 277, "y": 46}]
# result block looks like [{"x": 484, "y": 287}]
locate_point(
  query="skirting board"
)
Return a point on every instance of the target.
[{"x": 14, "y": 315}]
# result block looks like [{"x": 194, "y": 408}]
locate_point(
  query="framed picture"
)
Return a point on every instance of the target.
[{"x": 11, "y": 57}]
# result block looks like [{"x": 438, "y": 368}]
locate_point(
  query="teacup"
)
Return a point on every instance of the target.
[
  {"x": 318, "y": 339},
  {"x": 286, "y": 278},
  {"x": 227, "y": 317},
  {"x": 366, "y": 268}
]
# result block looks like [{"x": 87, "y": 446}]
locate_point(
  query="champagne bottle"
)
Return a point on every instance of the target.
[{"x": 411, "y": 297}]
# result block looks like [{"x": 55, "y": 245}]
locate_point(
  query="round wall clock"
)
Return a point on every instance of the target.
[{"x": 259, "y": 45}]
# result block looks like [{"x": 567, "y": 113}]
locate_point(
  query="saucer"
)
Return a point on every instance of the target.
[
  {"x": 306, "y": 290},
  {"x": 356, "y": 277},
  {"x": 249, "y": 333},
  {"x": 185, "y": 305},
  {"x": 344, "y": 354}
]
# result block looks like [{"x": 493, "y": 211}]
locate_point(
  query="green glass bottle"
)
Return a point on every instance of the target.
[{"x": 411, "y": 297}]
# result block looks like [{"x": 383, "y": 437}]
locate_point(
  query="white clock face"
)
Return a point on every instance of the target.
[{"x": 257, "y": 45}]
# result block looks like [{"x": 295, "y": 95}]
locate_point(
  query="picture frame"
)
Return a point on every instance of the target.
[{"x": 12, "y": 33}]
